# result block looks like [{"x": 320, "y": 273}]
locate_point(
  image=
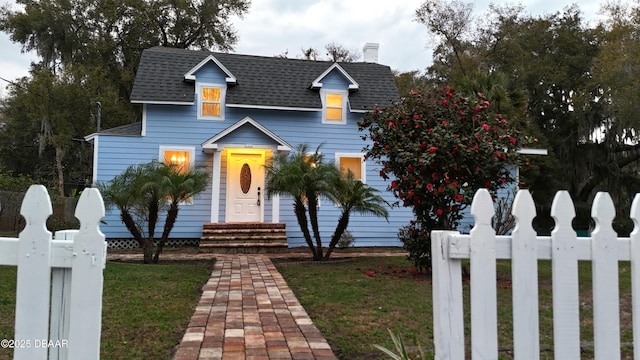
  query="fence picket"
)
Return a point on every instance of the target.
[
  {"x": 526, "y": 332},
  {"x": 605, "y": 279},
  {"x": 59, "y": 282},
  {"x": 524, "y": 248},
  {"x": 446, "y": 283},
  {"x": 86, "y": 277},
  {"x": 564, "y": 268},
  {"x": 635, "y": 273},
  {"x": 484, "y": 333},
  {"x": 34, "y": 276}
]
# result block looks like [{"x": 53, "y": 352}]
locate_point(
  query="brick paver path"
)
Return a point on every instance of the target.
[{"x": 247, "y": 311}]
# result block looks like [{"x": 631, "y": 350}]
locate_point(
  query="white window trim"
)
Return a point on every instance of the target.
[
  {"x": 345, "y": 103},
  {"x": 192, "y": 153},
  {"x": 363, "y": 163},
  {"x": 223, "y": 93}
]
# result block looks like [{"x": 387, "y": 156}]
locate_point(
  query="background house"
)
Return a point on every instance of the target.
[{"x": 230, "y": 113}]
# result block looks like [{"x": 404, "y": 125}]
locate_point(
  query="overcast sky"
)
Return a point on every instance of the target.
[{"x": 272, "y": 27}]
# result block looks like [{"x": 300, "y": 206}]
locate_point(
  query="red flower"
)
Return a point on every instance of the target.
[
  {"x": 423, "y": 146},
  {"x": 416, "y": 117},
  {"x": 440, "y": 189},
  {"x": 430, "y": 187},
  {"x": 485, "y": 127},
  {"x": 512, "y": 140},
  {"x": 454, "y": 184},
  {"x": 439, "y": 212},
  {"x": 433, "y": 150},
  {"x": 457, "y": 198},
  {"x": 394, "y": 184},
  {"x": 444, "y": 122}
]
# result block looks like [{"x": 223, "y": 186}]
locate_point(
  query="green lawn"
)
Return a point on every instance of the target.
[
  {"x": 354, "y": 303},
  {"x": 146, "y": 308}
]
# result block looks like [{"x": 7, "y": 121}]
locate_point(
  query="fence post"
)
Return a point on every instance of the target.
[
  {"x": 89, "y": 249},
  {"x": 564, "y": 268},
  {"x": 635, "y": 274},
  {"x": 484, "y": 308},
  {"x": 446, "y": 279},
  {"x": 606, "y": 314},
  {"x": 524, "y": 268},
  {"x": 34, "y": 276}
]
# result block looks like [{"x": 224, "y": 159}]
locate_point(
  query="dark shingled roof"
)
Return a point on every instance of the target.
[
  {"x": 134, "y": 129},
  {"x": 261, "y": 81}
]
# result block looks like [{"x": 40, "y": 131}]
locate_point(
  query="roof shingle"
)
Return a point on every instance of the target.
[{"x": 261, "y": 81}]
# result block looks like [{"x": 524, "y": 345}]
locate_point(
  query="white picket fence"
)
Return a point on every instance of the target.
[
  {"x": 59, "y": 282},
  {"x": 604, "y": 249}
]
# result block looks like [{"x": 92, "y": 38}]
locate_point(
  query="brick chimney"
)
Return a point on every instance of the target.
[{"x": 370, "y": 52}]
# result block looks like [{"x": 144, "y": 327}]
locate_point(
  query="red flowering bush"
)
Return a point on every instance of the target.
[{"x": 437, "y": 149}]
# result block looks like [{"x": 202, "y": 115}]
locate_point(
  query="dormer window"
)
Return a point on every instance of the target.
[
  {"x": 334, "y": 106},
  {"x": 211, "y": 101}
]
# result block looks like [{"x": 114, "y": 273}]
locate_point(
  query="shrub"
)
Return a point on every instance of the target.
[
  {"x": 417, "y": 242},
  {"x": 346, "y": 240}
]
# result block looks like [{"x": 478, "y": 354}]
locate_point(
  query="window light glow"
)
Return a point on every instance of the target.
[
  {"x": 351, "y": 163},
  {"x": 334, "y": 107},
  {"x": 211, "y": 101},
  {"x": 181, "y": 159}
]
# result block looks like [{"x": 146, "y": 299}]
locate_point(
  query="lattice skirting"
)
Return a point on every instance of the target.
[{"x": 132, "y": 244}]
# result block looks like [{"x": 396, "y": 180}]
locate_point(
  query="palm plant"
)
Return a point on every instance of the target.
[
  {"x": 142, "y": 191},
  {"x": 177, "y": 187},
  {"x": 353, "y": 196},
  {"x": 305, "y": 177}
]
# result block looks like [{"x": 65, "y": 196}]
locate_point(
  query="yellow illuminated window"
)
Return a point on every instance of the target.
[
  {"x": 181, "y": 159},
  {"x": 334, "y": 107},
  {"x": 210, "y": 101},
  {"x": 351, "y": 163}
]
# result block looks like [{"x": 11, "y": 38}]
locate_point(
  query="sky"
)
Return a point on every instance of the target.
[{"x": 272, "y": 27}]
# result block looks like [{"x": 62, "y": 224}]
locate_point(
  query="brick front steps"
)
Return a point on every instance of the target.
[{"x": 243, "y": 238}]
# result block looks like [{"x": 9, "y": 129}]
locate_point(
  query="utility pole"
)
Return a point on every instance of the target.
[{"x": 99, "y": 114}]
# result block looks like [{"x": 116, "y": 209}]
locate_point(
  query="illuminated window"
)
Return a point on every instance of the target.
[
  {"x": 211, "y": 101},
  {"x": 334, "y": 104},
  {"x": 334, "y": 107},
  {"x": 353, "y": 162},
  {"x": 180, "y": 157}
]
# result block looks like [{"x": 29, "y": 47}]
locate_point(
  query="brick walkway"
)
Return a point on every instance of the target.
[{"x": 247, "y": 311}]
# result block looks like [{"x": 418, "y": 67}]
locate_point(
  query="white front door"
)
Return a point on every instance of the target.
[{"x": 245, "y": 185}]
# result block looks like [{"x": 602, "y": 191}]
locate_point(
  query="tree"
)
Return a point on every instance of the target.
[
  {"x": 338, "y": 53},
  {"x": 142, "y": 191},
  {"x": 353, "y": 196},
  {"x": 92, "y": 49},
  {"x": 305, "y": 176},
  {"x": 409, "y": 81},
  {"x": 575, "y": 81},
  {"x": 438, "y": 148},
  {"x": 334, "y": 52},
  {"x": 179, "y": 187}
]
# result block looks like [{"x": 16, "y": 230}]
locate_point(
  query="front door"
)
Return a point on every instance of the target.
[{"x": 245, "y": 185}]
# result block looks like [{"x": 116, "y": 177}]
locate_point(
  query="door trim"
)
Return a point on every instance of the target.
[{"x": 230, "y": 153}]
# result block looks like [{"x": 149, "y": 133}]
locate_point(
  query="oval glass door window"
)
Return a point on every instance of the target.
[{"x": 245, "y": 178}]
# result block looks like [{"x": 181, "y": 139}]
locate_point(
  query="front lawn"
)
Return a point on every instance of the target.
[
  {"x": 353, "y": 303},
  {"x": 145, "y": 308}
]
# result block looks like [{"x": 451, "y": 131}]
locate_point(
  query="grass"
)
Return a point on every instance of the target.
[
  {"x": 146, "y": 308},
  {"x": 354, "y": 303}
]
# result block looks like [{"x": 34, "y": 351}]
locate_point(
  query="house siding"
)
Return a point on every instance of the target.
[{"x": 177, "y": 125}]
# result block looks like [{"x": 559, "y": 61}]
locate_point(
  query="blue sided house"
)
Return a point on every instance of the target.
[{"x": 229, "y": 114}]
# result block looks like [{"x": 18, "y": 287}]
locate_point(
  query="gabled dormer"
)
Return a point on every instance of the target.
[
  {"x": 334, "y": 85},
  {"x": 211, "y": 79}
]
